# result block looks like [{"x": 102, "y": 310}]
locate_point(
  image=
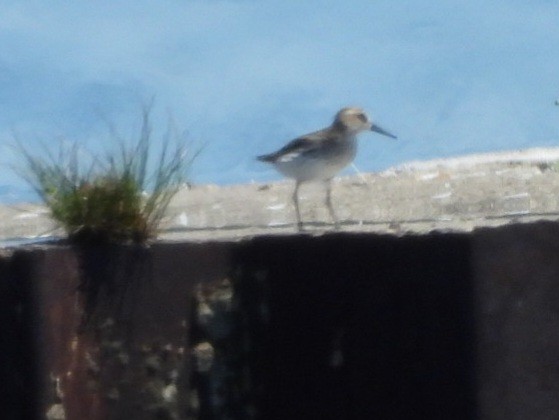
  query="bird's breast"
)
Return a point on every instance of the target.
[{"x": 319, "y": 163}]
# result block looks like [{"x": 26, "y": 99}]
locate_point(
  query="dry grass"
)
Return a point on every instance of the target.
[{"x": 113, "y": 198}]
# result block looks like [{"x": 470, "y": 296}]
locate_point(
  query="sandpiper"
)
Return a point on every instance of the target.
[{"x": 320, "y": 155}]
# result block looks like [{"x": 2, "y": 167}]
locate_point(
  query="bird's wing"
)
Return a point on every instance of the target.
[{"x": 296, "y": 147}]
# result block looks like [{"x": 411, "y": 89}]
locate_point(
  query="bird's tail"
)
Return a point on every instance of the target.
[{"x": 266, "y": 158}]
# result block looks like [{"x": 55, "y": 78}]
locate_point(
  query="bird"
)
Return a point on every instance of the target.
[{"x": 321, "y": 155}]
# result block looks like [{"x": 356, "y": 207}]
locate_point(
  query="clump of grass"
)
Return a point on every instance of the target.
[{"x": 115, "y": 198}]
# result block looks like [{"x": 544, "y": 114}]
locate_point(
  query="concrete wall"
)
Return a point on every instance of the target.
[{"x": 438, "y": 326}]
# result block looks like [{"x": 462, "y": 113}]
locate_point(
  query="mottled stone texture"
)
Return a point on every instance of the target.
[{"x": 339, "y": 326}]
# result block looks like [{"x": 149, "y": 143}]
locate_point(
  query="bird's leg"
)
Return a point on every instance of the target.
[
  {"x": 295, "y": 198},
  {"x": 329, "y": 203}
]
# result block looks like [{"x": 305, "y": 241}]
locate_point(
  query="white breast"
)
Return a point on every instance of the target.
[{"x": 319, "y": 165}]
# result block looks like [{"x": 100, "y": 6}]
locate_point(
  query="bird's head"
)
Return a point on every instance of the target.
[{"x": 355, "y": 120}]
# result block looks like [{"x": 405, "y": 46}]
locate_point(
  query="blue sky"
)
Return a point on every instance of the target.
[{"x": 243, "y": 77}]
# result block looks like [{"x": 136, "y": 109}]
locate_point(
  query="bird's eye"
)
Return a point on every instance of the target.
[{"x": 362, "y": 117}]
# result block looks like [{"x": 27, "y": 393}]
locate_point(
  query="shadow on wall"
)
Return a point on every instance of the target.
[
  {"x": 360, "y": 326},
  {"x": 19, "y": 332}
]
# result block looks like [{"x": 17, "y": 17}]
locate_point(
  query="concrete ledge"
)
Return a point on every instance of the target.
[{"x": 454, "y": 194}]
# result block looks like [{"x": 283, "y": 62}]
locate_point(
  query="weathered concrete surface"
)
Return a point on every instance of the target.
[
  {"x": 454, "y": 194},
  {"x": 395, "y": 201}
]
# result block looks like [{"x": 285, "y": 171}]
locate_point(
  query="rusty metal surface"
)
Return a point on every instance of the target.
[
  {"x": 115, "y": 347},
  {"x": 468, "y": 320}
]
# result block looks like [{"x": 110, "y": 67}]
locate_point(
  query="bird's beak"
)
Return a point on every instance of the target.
[{"x": 382, "y": 131}]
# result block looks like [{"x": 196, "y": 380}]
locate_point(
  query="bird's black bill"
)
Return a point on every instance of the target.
[{"x": 382, "y": 131}]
